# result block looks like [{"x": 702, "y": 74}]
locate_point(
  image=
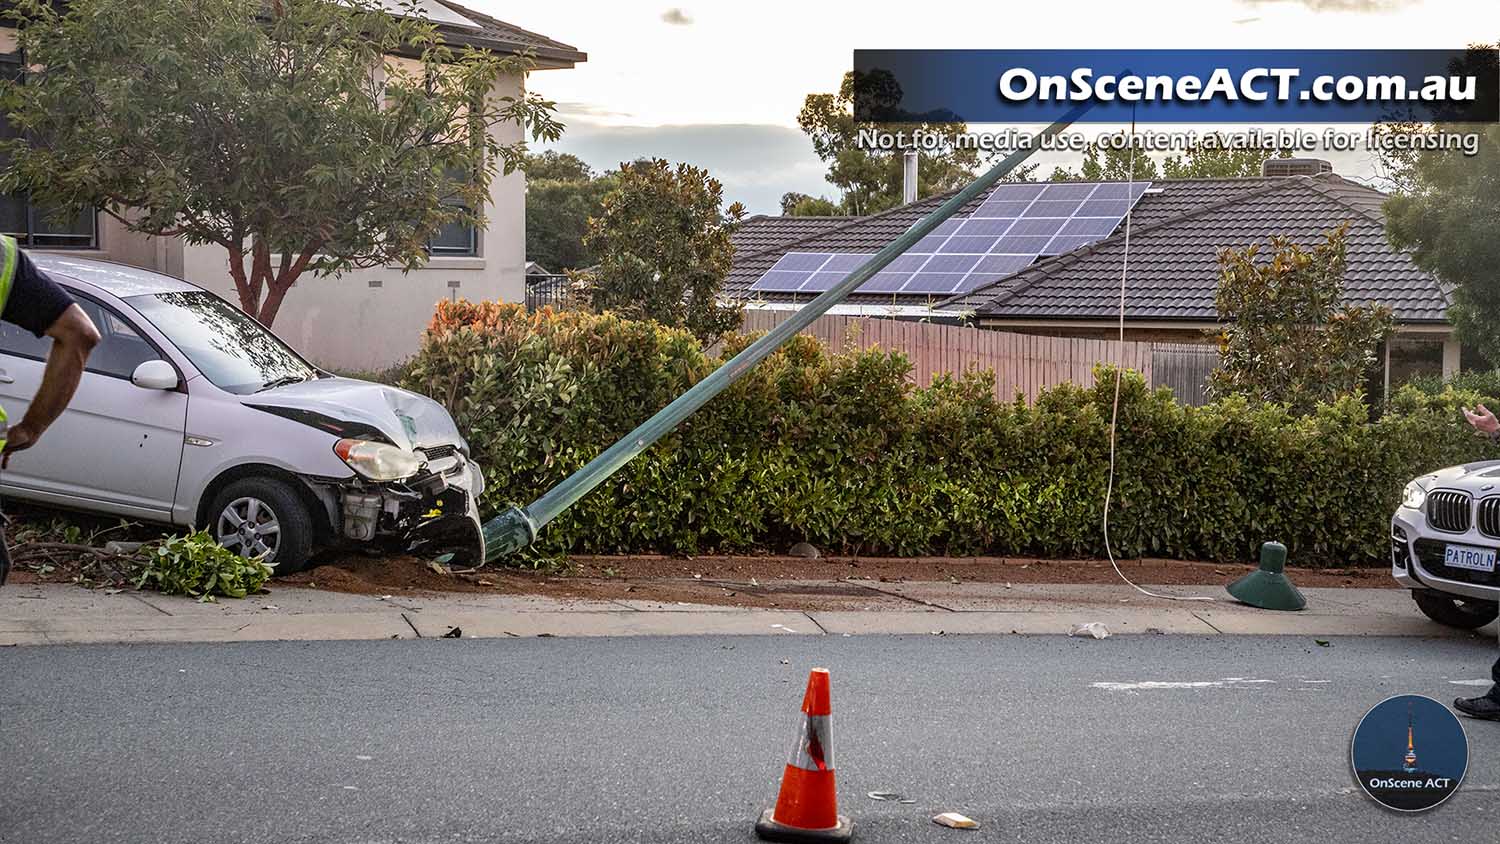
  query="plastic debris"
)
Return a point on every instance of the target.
[
  {"x": 1093, "y": 629},
  {"x": 454, "y": 633},
  {"x": 806, "y": 550},
  {"x": 1322, "y": 643},
  {"x": 890, "y": 796},
  {"x": 954, "y": 820}
]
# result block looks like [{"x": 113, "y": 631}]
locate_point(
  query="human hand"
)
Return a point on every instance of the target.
[
  {"x": 1482, "y": 419},
  {"x": 20, "y": 438}
]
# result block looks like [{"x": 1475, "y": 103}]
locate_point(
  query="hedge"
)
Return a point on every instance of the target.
[{"x": 842, "y": 451}]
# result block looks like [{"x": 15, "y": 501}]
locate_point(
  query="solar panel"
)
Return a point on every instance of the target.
[{"x": 1007, "y": 232}]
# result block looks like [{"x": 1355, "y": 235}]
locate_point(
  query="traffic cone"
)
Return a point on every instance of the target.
[
  {"x": 1268, "y": 587},
  {"x": 807, "y": 808}
]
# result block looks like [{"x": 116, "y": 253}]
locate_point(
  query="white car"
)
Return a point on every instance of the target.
[
  {"x": 193, "y": 414},
  {"x": 1444, "y": 539}
]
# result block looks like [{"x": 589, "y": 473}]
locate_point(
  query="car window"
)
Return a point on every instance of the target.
[
  {"x": 233, "y": 351},
  {"x": 121, "y": 348}
]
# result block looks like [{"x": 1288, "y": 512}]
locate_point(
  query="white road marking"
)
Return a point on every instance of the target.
[
  {"x": 1471, "y": 682},
  {"x": 1155, "y": 685}
]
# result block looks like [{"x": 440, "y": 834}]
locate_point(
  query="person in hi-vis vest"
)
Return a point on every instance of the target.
[{"x": 30, "y": 299}]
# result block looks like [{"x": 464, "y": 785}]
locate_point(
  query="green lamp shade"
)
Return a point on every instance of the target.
[{"x": 1268, "y": 587}]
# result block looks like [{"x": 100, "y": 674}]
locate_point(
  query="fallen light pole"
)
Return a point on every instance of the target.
[{"x": 517, "y": 527}]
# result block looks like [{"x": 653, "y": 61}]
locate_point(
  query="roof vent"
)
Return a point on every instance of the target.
[{"x": 1295, "y": 167}]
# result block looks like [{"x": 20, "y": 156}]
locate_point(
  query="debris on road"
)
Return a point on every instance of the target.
[
  {"x": 1093, "y": 629},
  {"x": 954, "y": 820},
  {"x": 890, "y": 796},
  {"x": 1322, "y": 643},
  {"x": 454, "y": 633}
]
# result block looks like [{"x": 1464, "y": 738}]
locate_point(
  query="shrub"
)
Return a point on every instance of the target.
[
  {"x": 196, "y": 565},
  {"x": 842, "y": 451}
]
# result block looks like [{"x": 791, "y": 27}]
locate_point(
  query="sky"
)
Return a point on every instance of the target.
[{"x": 719, "y": 84}]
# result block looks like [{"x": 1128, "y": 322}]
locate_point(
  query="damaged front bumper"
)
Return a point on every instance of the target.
[{"x": 433, "y": 512}]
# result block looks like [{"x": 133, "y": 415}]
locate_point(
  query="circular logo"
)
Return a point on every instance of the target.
[{"x": 1409, "y": 753}]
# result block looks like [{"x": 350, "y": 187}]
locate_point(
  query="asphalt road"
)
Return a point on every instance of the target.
[{"x": 683, "y": 739}]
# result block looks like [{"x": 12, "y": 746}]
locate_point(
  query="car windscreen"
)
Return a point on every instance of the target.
[{"x": 233, "y": 351}]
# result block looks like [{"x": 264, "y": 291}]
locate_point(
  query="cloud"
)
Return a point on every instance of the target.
[
  {"x": 584, "y": 111},
  {"x": 1359, "y": 6},
  {"x": 757, "y": 163},
  {"x": 676, "y": 17}
]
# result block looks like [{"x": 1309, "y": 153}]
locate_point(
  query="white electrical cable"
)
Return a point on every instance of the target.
[{"x": 1114, "y": 416}]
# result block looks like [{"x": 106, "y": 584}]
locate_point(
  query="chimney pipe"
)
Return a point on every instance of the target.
[{"x": 909, "y": 177}]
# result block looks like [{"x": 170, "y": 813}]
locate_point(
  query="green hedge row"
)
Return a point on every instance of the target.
[{"x": 839, "y": 450}]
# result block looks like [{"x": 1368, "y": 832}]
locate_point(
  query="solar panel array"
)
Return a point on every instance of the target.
[{"x": 1015, "y": 225}]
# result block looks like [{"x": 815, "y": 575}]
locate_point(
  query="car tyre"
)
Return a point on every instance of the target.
[
  {"x": 262, "y": 515},
  {"x": 1455, "y": 611}
]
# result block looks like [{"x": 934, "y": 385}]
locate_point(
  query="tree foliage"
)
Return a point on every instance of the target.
[
  {"x": 1200, "y": 161},
  {"x": 795, "y": 204},
  {"x": 285, "y": 132},
  {"x": 1446, "y": 219},
  {"x": 1288, "y": 337},
  {"x": 562, "y": 193},
  {"x": 1205, "y": 162},
  {"x": 663, "y": 244},
  {"x": 870, "y": 179}
]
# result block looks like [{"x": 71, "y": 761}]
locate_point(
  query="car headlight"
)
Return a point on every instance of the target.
[
  {"x": 1414, "y": 496},
  {"x": 378, "y": 461}
]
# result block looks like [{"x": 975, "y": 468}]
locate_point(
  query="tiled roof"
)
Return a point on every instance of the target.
[
  {"x": 1175, "y": 236},
  {"x": 1173, "y": 270},
  {"x": 762, "y": 232},
  {"x": 497, "y": 34}
]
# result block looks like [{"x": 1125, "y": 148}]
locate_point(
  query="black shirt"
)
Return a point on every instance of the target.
[{"x": 36, "y": 301}]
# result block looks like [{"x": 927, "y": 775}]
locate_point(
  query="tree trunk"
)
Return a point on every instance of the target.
[{"x": 274, "y": 282}]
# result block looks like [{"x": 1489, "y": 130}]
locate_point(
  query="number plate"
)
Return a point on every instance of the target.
[{"x": 1467, "y": 557}]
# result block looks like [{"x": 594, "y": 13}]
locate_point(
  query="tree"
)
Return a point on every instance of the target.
[
  {"x": 287, "y": 132},
  {"x": 1446, "y": 221},
  {"x": 1108, "y": 165},
  {"x": 664, "y": 250},
  {"x": 810, "y": 206},
  {"x": 1205, "y": 162},
  {"x": 562, "y": 193},
  {"x": 871, "y": 179},
  {"x": 1286, "y": 337}
]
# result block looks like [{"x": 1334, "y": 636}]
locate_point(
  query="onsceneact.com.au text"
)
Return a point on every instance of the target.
[{"x": 1257, "y": 84}]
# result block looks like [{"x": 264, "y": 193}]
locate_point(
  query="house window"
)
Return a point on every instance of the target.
[
  {"x": 455, "y": 239},
  {"x": 34, "y": 224}
]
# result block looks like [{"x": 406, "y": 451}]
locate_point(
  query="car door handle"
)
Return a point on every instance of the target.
[{"x": 5, "y": 377}]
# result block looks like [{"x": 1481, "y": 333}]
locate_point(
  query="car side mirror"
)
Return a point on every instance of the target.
[{"x": 155, "y": 375}]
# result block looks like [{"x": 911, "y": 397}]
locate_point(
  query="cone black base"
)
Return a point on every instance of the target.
[{"x": 769, "y": 830}]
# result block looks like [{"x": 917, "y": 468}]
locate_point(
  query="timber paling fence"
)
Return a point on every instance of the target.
[{"x": 1021, "y": 363}]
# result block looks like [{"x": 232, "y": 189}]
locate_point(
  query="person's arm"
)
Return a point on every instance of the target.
[{"x": 73, "y": 337}]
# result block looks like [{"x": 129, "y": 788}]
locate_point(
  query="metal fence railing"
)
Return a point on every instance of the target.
[{"x": 544, "y": 290}]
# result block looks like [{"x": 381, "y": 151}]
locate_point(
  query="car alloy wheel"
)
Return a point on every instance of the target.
[{"x": 249, "y": 527}]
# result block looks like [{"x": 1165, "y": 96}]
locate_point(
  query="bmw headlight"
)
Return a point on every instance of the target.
[
  {"x": 1414, "y": 496},
  {"x": 378, "y": 461}
]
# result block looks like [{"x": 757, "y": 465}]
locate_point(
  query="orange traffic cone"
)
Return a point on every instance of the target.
[{"x": 807, "y": 809}]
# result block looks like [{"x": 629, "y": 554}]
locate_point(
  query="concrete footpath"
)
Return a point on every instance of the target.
[{"x": 35, "y": 614}]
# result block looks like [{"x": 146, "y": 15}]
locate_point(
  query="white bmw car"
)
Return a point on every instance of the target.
[
  {"x": 1444, "y": 539},
  {"x": 193, "y": 414}
]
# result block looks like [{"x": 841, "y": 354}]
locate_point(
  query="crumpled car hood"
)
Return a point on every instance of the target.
[
  {"x": 1477, "y": 478},
  {"x": 409, "y": 420}
]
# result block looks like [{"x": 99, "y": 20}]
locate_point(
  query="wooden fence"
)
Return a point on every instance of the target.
[
  {"x": 1021, "y": 363},
  {"x": 1185, "y": 368}
]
